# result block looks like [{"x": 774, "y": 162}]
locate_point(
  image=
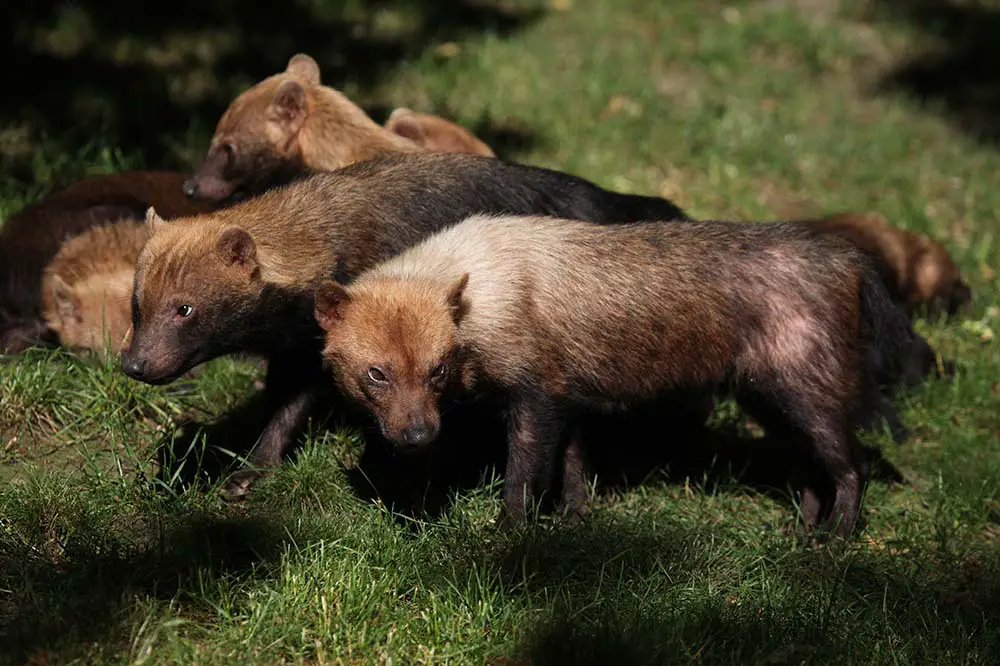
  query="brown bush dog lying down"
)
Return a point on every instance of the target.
[
  {"x": 30, "y": 238},
  {"x": 917, "y": 270},
  {"x": 284, "y": 126},
  {"x": 87, "y": 287},
  {"x": 559, "y": 318},
  {"x": 435, "y": 133},
  {"x": 242, "y": 279}
]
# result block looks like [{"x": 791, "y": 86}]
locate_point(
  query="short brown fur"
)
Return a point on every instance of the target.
[{"x": 561, "y": 318}]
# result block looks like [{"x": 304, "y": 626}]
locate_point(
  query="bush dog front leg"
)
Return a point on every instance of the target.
[{"x": 534, "y": 430}]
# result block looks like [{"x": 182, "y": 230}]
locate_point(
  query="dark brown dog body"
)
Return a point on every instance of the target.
[{"x": 560, "y": 318}]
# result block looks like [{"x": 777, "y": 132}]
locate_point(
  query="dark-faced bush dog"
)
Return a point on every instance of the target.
[
  {"x": 559, "y": 318},
  {"x": 242, "y": 279}
]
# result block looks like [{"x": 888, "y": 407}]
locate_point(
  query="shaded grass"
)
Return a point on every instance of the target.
[{"x": 744, "y": 110}]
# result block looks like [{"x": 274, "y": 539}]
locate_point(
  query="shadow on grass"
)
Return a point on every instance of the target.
[
  {"x": 960, "y": 74},
  {"x": 624, "y": 451},
  {"x": 150, "y": 81},
  {"x": 619, "y": 595},
  {"x": 58, "y": 603}
]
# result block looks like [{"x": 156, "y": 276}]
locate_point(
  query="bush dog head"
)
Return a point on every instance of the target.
[
  {"x": 399, "y": 384},
  {"x": 282, "y": 127},
  {"x": 87, "y": 287},
  {"x": 212, "y": 284}
]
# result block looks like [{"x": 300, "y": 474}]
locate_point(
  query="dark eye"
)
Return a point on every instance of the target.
[
  {"x": 184, "y": 311},
  {"x": 229, "y": 150},
  {"x": 376, "y": 375},
  {"x": 438, "y": 371}
]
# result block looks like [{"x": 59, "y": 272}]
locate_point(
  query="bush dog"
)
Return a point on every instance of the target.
[
  {"x": 284, "y": 126},
  {"x": 559, "y": 318},
  {"x": 435, "y": 133},
  {"x": 917, "y": 270},
  {"x": 87, "y": 287},
  {"x": 241, "y": 279},
  {"x": 30, "y": 238}
]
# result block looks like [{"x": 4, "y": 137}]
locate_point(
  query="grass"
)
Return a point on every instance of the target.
[{"x": 745, "y": 110}]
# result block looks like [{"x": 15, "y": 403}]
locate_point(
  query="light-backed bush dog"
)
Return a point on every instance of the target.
[
  {"x": 560, "y": 318},
  {"x": 242, "y": 279}
]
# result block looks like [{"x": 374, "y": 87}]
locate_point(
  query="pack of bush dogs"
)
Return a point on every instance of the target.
[{"x": 404, "y": 266}]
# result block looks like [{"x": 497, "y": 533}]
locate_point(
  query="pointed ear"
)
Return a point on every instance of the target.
[
  {"x": 288, "y": 106},
  {"x": 304, "y": 67},
  {"x": 62, "y": 296},
  {"x": 454, "y": 301},
  {"x": 153, "y": 221},
  {"x": 237, "y": 248},
  {"x": 331, "y": 298},
  {"x": 406, "y": 123}
]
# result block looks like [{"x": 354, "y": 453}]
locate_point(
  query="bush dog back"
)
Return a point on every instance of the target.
[
  {"x": 242, "y": 279},
  {"x": 559, "y": 318}
]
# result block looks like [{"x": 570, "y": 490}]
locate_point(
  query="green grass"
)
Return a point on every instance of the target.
[{"x": 747, "y": 110}]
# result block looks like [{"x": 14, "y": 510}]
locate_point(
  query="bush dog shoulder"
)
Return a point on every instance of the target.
[
  {"x": 242, "y": 279},
  {"x": 560, "y": 318}
]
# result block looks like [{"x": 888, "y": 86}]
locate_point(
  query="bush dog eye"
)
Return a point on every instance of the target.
[
  {"x": 184, "y": 311},
  {"x": 376, "y": 375}
]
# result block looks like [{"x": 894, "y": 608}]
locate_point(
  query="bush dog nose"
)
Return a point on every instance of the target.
[{"x": 133, "y": 367}]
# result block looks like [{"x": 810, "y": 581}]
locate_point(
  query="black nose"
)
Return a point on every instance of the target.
[
  {"x": 190, "y": 187},
  {"x": 133, "y": 367},
  {"x": 417, "y": 435}
]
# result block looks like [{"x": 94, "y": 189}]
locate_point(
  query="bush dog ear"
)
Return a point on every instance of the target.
[
  {"x": 288, "y": 106},
  {"x": 304, "y": 67},
  {"x": 63, "y": 298},
  {"x": 331, "y": 298},
  {"x": 153, "y": 221},
  {"x": 237, "y": 248},
  {"x": 455, "y": 297},
  {"x": 405, "y": 123}
]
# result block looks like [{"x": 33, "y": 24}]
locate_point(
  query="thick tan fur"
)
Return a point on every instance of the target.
[
  {"x": 87, "y": 287},
  {"x": 917, "y": 270}
]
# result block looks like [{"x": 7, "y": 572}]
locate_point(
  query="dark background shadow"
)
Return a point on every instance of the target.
[
  {"x": 961, "y": 75},
  {"x": 153, "y": 79}
]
